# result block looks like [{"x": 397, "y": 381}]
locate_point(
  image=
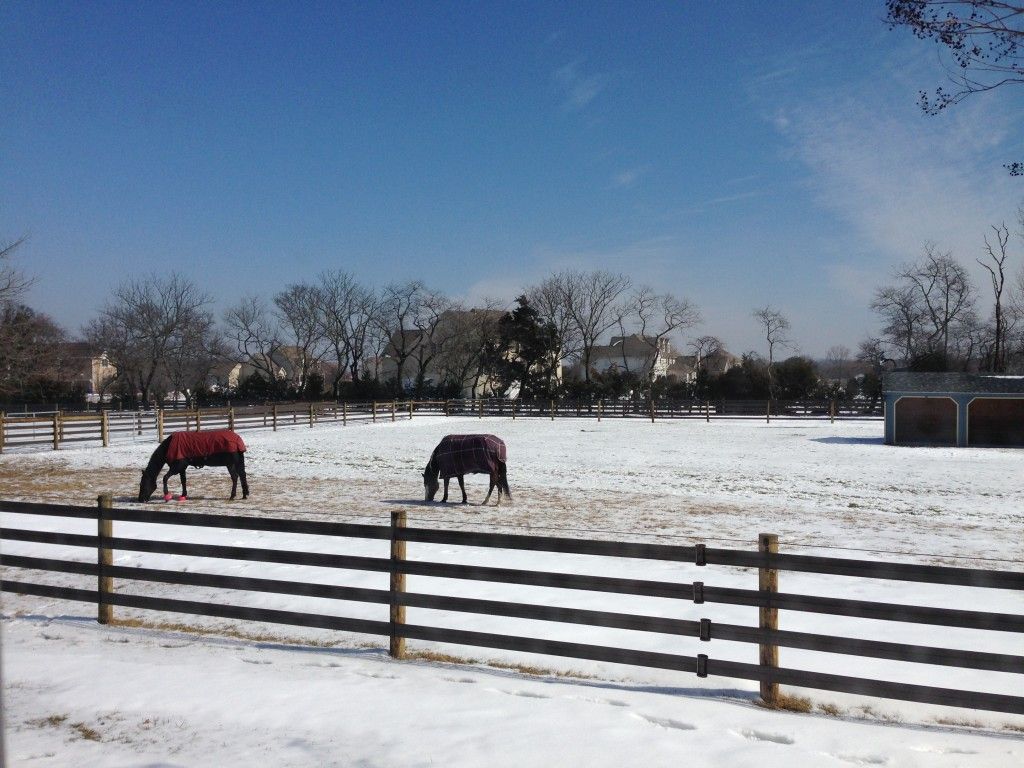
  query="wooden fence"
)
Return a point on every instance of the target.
[
  {"x": 766, "y": 597},
  {"x": 103, "y": 427},
  {"x": 57, "y": 429}
]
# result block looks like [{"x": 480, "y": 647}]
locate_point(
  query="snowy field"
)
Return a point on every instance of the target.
[{"x": 288, "y": 696}]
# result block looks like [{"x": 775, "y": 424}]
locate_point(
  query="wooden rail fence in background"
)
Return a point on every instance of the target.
[
  {"x": 765, "y": 559},
  {"x": 104, "y": 427}
]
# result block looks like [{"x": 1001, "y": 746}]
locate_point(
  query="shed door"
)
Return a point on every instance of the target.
[
  {"x": 925, "y": 421},
  {"x": 996, "y": 421}
]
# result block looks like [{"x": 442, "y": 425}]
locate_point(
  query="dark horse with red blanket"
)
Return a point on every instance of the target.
[
  {"x": 459, "y": 455},
  {"x": 215, "y": 448}
]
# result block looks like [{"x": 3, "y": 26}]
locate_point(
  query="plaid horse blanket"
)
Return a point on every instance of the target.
[
  {"x": 194, "y": 445},
  {"x": 468, "y": 454}
]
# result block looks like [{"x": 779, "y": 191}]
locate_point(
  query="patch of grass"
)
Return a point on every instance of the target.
[
  {"x": 959, "y": 722},
  {"x": 1013, "y": 727},
  {"x": 833, "y": 710},
  {"x": 789, "y": 703},
  {"x": 524, "y": 669},
  {"x": 886, "y": 717},
  {"x": 53, "y": 721},
  {"x": 231, "y": 632},
  {"x": 85, "y": 732}
]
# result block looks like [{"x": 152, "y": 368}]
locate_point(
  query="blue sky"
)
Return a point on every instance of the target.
[{"x": 737, "y": 154}]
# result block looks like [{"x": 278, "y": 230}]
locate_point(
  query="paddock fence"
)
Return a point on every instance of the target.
[
  {"x": 765, "y": 561},
  {"x": 58, "y": 428}
]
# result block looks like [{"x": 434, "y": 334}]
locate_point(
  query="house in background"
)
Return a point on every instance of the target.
[
  {"x": 644, "y": 356},
  {"x": 90, "y": 369}
]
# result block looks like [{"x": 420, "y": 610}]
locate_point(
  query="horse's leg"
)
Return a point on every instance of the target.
[
  {"x": 241, "y": 475},
  {"x": 490, "y": 490},
  {"x": 462, "y": 487},
  {"x": 443, "y": 500},
  {"x": 234, "y": 479},
  {"x": 170, "y": 471},
  {"x": 184, "y": 487}
]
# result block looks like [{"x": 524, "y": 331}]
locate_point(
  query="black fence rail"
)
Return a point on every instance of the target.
[{"x": 767, "y": 598}]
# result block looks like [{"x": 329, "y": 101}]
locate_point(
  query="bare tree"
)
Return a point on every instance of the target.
[
  {"x": 31, "y": 351},
  {"x": 190, "y": 363},
  {"x": 983, "y": 40},
  {"x": 297, "y": 312},
  {"x": 395, "y": 324},
  {"x": 704, "y": 347},
  {"x": 433, "y": 323},
  {"x": 13, "y": 283},
  {"x": 776, "y": 328},
  {"x": 255, "y": 337},
  {"x": 944, "y": 289},
  {"x": 837, "y": 362},
  {"x": 548, "y": 299},
  {"x": 997, "y": 273},
  {"x": 659, "y": 316},
  {"x": 463, "y": 359},
  {"x": 590, "y": 298},
  {"x": 346, "y": 311},
  {"x": 903, "y": 317},
  {"x": 145, "y": 322}
]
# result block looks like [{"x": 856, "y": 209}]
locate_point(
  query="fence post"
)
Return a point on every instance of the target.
[
  {"x": 159, "y": 425},
  {"x": 552, "y": 411},
  {"x": 199, "y": 420},
  {"x": 2, "y": 434},
  {"x": 410, "y": 410},
  {"x": 104, "y": 559},
  {"x": 707, "y": 411},
  {"x": 394, "y": 406},
  {"x": 374, "y": 409},
  {"x": 231, "y": 418},
  {"x": 344, "y": 413},
  {"x": 310, "y": 415},
  {"x": 832, "y": 411},
  {"x": 768, "y": 618},
  {"x": 652, "y": 410},
  {"x": 768, "y": 414},
  {"x": 56, "y": 431},
  {"x": 397, "y": 645},
  {"x": 481, "y": 402},
  {"x": 104, "y": 428}
]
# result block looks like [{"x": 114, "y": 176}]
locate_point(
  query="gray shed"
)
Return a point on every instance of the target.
[{"x": 955, "y": 409}]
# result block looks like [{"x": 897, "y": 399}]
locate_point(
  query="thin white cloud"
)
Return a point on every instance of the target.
[
  {"x": 628, "y": 178},
  {"x": 577, "y": 89}
]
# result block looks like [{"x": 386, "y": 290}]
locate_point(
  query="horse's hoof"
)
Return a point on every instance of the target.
[
  {"x": 183, "y": 498},
  {"x": 167, "y": 497}
]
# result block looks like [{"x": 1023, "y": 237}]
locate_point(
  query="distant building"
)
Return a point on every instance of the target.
[
  {"x": 643, "y": 355},
  {"x": 90, "y": 369},
  {"x": 953, "y": 409}
]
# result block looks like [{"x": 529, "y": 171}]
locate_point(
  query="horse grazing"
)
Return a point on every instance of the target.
[
  {"x": 459, "y": 455},
  {"x": 215, "y": 448}
]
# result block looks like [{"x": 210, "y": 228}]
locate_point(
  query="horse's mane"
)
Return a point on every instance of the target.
[{"x": 158, "y": 459}]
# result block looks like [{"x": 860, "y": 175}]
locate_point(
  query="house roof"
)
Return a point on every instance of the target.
[{"x": 906, "y": 381}]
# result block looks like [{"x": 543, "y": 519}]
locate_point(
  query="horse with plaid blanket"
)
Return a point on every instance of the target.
[{"x": 460, "y": 455}]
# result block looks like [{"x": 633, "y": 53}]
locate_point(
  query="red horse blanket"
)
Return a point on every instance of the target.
[
  {"x": 192, "y": 445},
  {"x": 468, "y": 454}
]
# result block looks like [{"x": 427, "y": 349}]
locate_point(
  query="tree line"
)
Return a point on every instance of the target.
[{"x": 336, "y": 336}]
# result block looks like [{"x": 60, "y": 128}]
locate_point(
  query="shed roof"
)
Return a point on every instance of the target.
[{"x": 905, "y": 381}]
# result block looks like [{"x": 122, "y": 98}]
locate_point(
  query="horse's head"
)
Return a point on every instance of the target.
[
  {"x": 430, "y": 486},
  {"x": 146, "y": 487}
]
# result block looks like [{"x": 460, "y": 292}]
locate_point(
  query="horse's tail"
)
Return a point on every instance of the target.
[{"x": 503, "y": 480}]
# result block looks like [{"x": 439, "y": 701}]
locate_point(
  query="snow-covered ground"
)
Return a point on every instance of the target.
[{"x": 148, "y": 694}]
